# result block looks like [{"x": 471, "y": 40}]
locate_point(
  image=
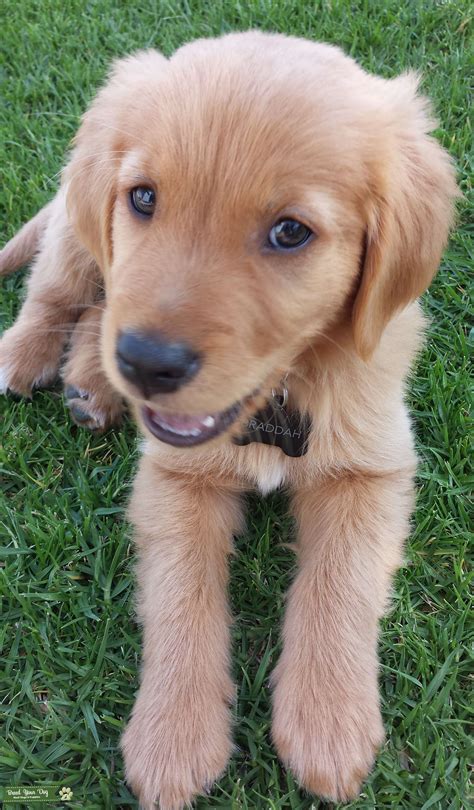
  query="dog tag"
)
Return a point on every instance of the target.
[{"x": 277, "y": 426}]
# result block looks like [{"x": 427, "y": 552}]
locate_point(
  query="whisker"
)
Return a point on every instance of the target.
[
  {"x": 58, "y": 330},
  {"x": 102, "y": 122},
  {"x": 89, "y": 306},
  {"x": 338, "y": 345},
  {"x": 104, "y": 153},
  {"x": 103, "y": 160}
]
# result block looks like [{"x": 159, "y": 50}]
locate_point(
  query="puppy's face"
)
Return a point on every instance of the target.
[
  {"x": 233, "y": 194},
  {"x": 230, "y": 254}
]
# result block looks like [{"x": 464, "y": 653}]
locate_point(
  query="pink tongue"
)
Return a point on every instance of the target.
[{"x": 179, "y": 422}]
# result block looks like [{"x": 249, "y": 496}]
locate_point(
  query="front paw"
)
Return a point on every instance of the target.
[
  {"x": 173, "y": 756},
  {"x": 28, "y": 360},
  {"x": 91, "y": 400},
  {"x": 327, "y": 734},
  {"x": 96, "y": 411}
]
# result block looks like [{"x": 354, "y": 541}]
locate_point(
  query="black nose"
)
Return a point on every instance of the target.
[{"x": 155, "y": 364}]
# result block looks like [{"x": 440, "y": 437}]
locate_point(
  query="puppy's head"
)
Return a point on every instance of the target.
[{"x": 241, "y": 198}]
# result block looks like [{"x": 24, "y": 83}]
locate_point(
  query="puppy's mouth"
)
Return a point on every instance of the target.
[{"x": 181, "y": 430}]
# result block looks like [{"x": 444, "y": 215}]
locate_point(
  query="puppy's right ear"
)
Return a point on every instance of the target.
[
  {"x": 90, "y": 182},
  {"x": 105, "y": 136}
]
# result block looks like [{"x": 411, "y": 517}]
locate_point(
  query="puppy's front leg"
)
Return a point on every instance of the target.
[
  {"x": 327, "y": 724},
  {"x": 178, "y": 739},
  {"x": 92, "y": 401}
]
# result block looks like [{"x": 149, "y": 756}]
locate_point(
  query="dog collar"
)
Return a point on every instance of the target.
[{"x": 278, "y": 426}]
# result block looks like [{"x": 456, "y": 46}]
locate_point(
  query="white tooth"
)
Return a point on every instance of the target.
[
  {"x": 208, "y": 422},
  {"x": 194, "y": 432}
]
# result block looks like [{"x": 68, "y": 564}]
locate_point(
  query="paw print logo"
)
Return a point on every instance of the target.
[{"x": 65, "y": 794}]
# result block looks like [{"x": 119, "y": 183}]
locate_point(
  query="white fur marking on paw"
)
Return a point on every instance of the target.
[
  {"x": 145, "y": 446},
  {"x": 3, "y": 380}
]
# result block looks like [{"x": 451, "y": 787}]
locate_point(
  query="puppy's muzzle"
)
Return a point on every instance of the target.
[{"x": 154, "y": 364}]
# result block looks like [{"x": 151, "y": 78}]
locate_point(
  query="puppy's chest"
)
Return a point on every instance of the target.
[
  {"x": 282, "y": 434},
  {"x": 263, "y": 468},
  {"x": 272, "y": 474}
]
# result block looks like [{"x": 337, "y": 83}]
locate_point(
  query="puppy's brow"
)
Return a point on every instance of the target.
[
  {"x": 139, "y": 179},
  {"x": 308, "y": 205},
  {"x": 131, "y": 170},
  {"x": 134, "y": 178}
]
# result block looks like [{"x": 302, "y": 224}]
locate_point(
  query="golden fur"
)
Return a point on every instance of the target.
[{"x": 233, "y": 133}]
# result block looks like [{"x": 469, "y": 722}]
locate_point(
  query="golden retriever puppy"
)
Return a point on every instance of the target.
[{"x": 241, "y": 234}]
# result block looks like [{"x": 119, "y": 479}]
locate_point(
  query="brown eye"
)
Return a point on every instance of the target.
[
  {"x": 143, "y": 200},
  {"x": 287, "y": 234}
]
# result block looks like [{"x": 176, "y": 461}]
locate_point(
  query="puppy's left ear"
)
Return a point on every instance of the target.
[{"x": 409, "y": 214}]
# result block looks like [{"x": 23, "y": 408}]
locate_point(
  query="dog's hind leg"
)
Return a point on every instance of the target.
[
  {"x": 92, "y": 401},
  {"x": 23, "y": 246},
  {"x": 63, "y": 280}
]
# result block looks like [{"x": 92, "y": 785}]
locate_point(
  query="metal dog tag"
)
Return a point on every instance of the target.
[{"x": 277, "y": 426}]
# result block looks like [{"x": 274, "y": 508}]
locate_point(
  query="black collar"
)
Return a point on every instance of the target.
[{"x": 278, "y": 426}]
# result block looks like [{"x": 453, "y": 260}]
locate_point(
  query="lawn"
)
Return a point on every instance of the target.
[{"x": 70, "y": 644}]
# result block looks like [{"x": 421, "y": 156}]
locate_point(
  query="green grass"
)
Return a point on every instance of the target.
[{"x": 69, "y": 640}]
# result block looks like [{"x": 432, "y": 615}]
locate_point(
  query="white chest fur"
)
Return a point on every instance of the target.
[
  {"x": 271, "y": 474},
  {"x": 258, "y": 465}
]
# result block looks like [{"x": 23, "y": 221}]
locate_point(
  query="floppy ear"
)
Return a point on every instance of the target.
[
  {"x": 108, "y": 130},
  {"x": 90, "y": 183},
  {"x": 409, "y": 214}
]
